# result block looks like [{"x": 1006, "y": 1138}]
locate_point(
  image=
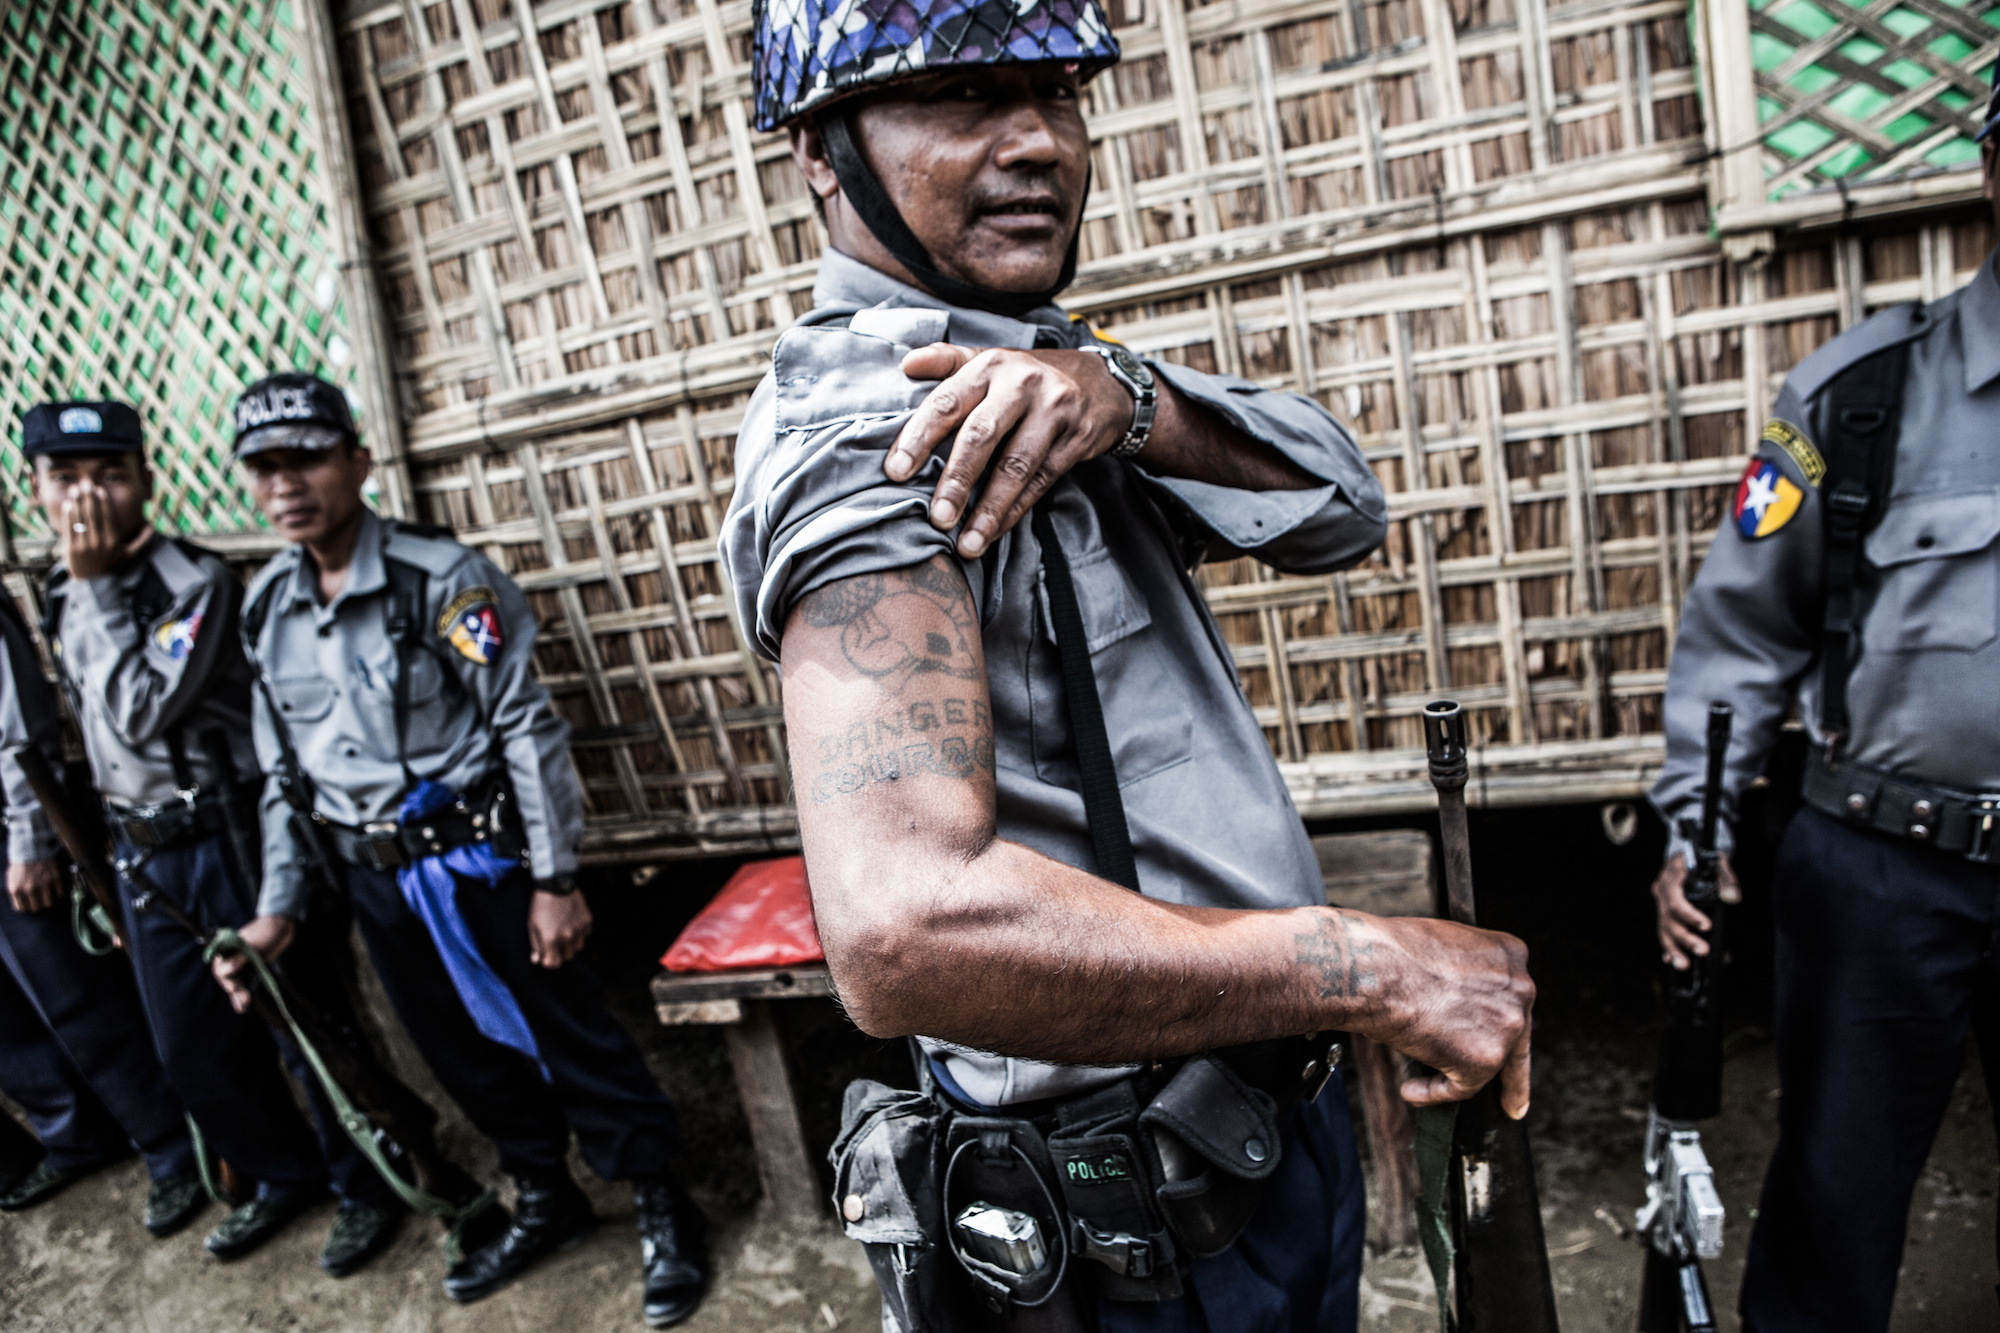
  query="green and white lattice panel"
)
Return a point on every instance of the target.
[
  {"x": 1858, "y": 93},
  {"x": 163, "y": 231}
]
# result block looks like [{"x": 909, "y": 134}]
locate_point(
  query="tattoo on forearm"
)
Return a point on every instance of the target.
[
  {"x": 1333, "y": 957},
  {"x": 902, "y": 630}
]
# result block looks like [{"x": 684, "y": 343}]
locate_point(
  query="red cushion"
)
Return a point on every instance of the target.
[{"x": 762, "y": 918}]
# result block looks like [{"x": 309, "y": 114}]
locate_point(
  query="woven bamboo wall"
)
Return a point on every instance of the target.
[
  {"x": 1848, "y": 108},
  {"x": 165, "y": 233},
  {"x": 1478, "y": 231}
]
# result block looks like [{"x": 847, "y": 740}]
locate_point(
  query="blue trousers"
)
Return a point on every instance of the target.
[
  {"x": 1885, "y": 948},
  {"x": 75, "y": 1052},
  {"x": 228, "y": 1067},
  {"x": 1297, "y": 1267},
  {"x": 598, "y": 1083}
]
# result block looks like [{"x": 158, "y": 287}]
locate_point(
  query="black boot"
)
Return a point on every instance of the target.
[
  {"x": 551, "y": 1214},
  {"x": 673, "y": 1246}
]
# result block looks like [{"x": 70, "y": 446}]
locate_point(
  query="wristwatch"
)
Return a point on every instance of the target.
[
  {"x": 562, "y": 886},
  {"x": 1137, "y": 377}
]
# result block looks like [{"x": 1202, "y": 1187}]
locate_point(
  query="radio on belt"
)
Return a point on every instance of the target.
[{"x": 1002, "y": 1237}]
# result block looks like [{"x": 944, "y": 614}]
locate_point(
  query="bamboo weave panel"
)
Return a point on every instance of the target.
[
  {"x": 1478, "y": 234},
  {"x": 165, "y": 239},
  {"x": 1870, "y": 91}
]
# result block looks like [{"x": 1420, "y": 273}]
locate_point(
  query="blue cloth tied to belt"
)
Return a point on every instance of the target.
[{"x": 431, "y": 889}]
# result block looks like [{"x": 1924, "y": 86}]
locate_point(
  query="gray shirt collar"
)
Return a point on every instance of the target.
[
  {"x": 844, "y": 281},
  {"x": 364, "y": 571},
  {"x": 1979, "y": 326}
]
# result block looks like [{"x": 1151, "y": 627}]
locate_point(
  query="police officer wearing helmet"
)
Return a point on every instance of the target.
[
  {"x": 75, "y": 1052},
  {"x": 1858, "y": 580},
  {"x": 962, "y": 524},
  {"x": 401, "y": 715},
  {"x": 142, "y": 627}
]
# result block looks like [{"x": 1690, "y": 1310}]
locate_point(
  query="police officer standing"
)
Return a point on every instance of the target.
[
  {"x": 144, "y": 632},
  {"x": 401, "y": 714},
  {"x": 75, "y": 1053},
  {"x": 963, "y": 524},
  {"x": 1860, "y": 578}
]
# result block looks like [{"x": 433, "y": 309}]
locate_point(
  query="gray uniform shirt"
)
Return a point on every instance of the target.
[
  {"x": 474, "y": 701},
  {"x": 132, "y": 683},
  {"x": 1927, "y": 593},
  {"x": 1211, "y": 821},
  {"x": 28, "y": 716}
]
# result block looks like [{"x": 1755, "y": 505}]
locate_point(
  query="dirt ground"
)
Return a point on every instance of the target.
[{"x": 82, "y": 1262}]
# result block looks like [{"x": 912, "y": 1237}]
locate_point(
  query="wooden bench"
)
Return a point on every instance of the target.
[
  {"x": 740, "y": 1002},
  {"x": 1387, "y": 873}
]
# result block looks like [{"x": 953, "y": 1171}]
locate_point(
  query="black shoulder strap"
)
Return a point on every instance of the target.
[
  {"x": 1110, "y": 835},
  {"x": 1864, "y": 417},
  {"x": 406, "y": 608},
  {"x": 423, "y": 529},
  {"x": 53, "y": 600},
  {"x": 292, "y": 779},
  {"x": 151, "y": 599}
]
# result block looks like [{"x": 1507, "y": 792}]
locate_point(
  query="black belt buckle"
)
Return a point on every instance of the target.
[
  {"x": 379, "y": 847},
  {"x": 1985, "y": 812}
]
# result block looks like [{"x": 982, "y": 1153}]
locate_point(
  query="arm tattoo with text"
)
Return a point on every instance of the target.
[
  {"x": 1334, "y": 959},
  {"x": 911, "y": 631}
]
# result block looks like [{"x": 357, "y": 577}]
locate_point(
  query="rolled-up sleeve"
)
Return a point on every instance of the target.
[
  {"x": 1312, "y": 531},
  {"x": 813, "y": 504}
]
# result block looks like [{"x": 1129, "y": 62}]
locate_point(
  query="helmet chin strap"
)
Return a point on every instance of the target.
[{"x": 872, "y": 202}]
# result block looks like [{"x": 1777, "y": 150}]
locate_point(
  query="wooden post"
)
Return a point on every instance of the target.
[
  {"x": 374, "y": 349},
  {"x": 1392, "y": 1130},
  {"x": 764, "y": 1082}
]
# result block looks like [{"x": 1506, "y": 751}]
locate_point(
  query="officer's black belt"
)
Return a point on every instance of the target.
[
  {"x": 156, "y": 828},
  {"x": 390, "y": 846},
  {"x": 1946, "y": 818}
]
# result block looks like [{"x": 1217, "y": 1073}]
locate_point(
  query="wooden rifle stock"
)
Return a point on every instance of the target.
[
  {"x": 1501, "y": 1268},
  {"x": 81, "y": 836}
]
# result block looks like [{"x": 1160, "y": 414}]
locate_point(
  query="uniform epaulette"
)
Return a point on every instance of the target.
[
  {"x": 278, "y": 566},
  {"x": 1898, "y": 324},
  {"x": 826, "y": 373},
  {"x": 432, "y": 549}
]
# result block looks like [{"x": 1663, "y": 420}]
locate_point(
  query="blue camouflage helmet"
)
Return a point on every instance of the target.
[{"x": 806, "y": 53}]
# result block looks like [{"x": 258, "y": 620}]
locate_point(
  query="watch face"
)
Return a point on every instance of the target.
[{"x": 1134, "y": 368}]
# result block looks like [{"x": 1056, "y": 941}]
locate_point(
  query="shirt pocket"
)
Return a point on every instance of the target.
[
  {"x": 1940, "y": 588},
  {"x": 426, "y": 675},
  {"x": 303, "y": 698},
  {"x": 1146, "y": 714}
]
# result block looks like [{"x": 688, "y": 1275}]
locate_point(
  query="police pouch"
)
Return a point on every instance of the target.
[
  {"x": 887, "y": 1168},
  {"x": 1217, "y": 1140}
]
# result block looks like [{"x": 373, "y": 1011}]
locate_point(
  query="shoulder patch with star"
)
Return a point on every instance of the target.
[
  {"x": 175, "y": 638},
  {"x": 1794, "y": 442},
  {"x": 1766, "y": 499},
  {"x": 471, "y": 624}
]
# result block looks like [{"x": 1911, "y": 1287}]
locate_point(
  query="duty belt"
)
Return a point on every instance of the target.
[
  {"x": 1944, "y": 817},
  {"x": 388, "y": 845},
  {"x": 158, "y": 827}
]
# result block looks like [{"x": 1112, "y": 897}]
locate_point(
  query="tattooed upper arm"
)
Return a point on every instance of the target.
[{"x": 885, "y": 685}]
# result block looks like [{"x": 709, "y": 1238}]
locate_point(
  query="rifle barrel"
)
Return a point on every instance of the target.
[{"x": 1502, "y": 1266}]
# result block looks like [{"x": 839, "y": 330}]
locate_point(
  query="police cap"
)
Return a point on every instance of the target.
[
  {"x": 292, "y": 410},
  {"x": 80, "y": 428}
]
